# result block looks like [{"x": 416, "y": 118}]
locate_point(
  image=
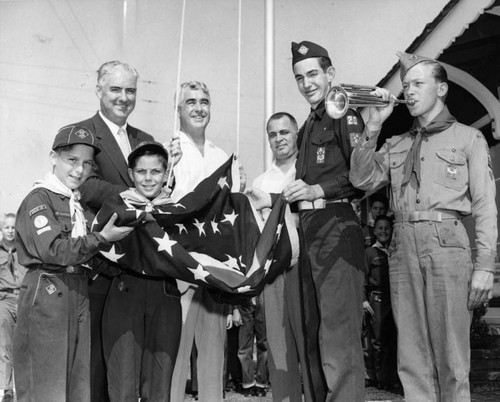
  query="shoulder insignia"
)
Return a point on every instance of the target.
[
  {"x": 37, "y": 209},
  {"x": 354, "y": 138},
  {"x": 40, "y": 221},
  {"x": 352, "y": 120}
]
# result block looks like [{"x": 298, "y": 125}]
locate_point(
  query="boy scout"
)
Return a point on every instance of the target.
[
  {"x": 439, "y": 172},
  {"x": 52, "y": 344},
  {"x": 142, "y": 317}
]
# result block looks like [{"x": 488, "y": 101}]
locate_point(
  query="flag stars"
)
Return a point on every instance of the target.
[
  {"x": 200, "y": 226},
  {"x": 223, "y": 182},
  {"x": 215, "y": 226},
  {"x": 164, "y": 243},
  {"x": 181, "y": 227},
  {"x": 230, "y": 218},
  {"x": 232, "y": 262},
  {"x": 112, "y": 255},
  {"x": 199, "y": 273}
]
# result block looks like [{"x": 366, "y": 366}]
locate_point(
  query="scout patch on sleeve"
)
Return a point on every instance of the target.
[
  {"x": 37, "y": 209},
  {"x": 40, "y": 221},
  {"x": 352, "y": 120},
  {"x": 354, "y": 138}
]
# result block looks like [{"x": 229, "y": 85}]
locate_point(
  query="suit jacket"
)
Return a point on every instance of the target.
[{"x": 110, "y": 174}]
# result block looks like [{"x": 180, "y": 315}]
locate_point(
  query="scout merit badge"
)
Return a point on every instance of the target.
[{"x": 320, "y": 155}]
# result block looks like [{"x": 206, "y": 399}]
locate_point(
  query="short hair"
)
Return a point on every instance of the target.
[
  {"x": 280, "y": 115},
  {"x": 324, "y": 63},
  {"x": 106, "y": 68},
  {"x": 378, "y": 197},
  {"x": 5, "y": 217},
  {"x": 437, "y": 69},
  {"x": 193, "y": 85},
  {"x": 383, "y": 218},
  {"x": 149, "y": 152}
]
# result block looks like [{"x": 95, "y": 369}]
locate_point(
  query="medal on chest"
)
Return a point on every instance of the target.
[{"x": 320, "y": 155}]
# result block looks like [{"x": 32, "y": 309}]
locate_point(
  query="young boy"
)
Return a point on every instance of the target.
[
  {"x": 380, "y": 338},
  {"x": 142, "y": 316},
  {"x": 52, "y": 339},
  {"x": 11, "y": 277}
]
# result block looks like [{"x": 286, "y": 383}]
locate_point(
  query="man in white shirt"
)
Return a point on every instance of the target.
[
  {"x": 204, "y": 320},
  {"x": 282, "y": 306}
]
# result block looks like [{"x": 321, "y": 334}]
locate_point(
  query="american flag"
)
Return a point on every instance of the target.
[{"x": 211, "y": 237}]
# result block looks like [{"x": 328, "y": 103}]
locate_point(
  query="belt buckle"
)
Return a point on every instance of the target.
[{"x": 320, "y": 203}]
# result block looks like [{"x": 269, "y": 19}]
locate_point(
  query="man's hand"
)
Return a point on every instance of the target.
[
  {"x": 237, "y": 320},
  {"x": 114, "y": 233},
  {"x": 481, "y": 288},
  {"x": 298, "y": 190},
  {"x": 174, "y": 150},
  {"x": 258, "y": 198},
  {"x": 377, "y": 115},
  {"x": 367, "y": 308}
]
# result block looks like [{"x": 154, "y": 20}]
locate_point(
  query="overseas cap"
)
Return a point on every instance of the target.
[
  {"x": 72, "y": 135},
  {"x": 144, "y": 147},
  {"x": 306, "y": 50},
  {"x": 407, "y": 61}
]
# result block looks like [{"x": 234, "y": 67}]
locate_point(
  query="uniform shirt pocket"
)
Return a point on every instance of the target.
[
  {"x": 324, "y": 148},
  {"x": 396, "y": 167},
  {"x": 451, "y": 169}
]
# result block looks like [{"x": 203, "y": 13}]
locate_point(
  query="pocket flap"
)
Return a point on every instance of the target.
[
  {"x": 453, "y": 158},
  {"x": 323, "y": 137}
]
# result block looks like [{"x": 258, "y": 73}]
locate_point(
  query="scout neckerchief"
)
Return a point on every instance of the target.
[
  {"x": 11, "y": 263},
  {"x": 133, "y": 197},
  {"x": 52, "y": 183},
  {"x": 412, "y": 163}
]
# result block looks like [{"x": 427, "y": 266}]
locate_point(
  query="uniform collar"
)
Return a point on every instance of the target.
[{"x": 319, "y": 111}]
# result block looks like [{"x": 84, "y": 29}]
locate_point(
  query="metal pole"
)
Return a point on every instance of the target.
[{"x": 269, "y": 76}]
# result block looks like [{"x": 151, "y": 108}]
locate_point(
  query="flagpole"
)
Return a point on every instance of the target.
[
  {"x": 269, "y": 76},
  {"x": 177, "y": 92},
  {"x": 238, "y": 94}
]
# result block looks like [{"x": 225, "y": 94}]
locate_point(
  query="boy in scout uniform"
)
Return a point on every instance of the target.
[
  {"x": 52, "y": 338},
  {"x": 439, "y": 172},
  {"x": 142, "y": 317}
]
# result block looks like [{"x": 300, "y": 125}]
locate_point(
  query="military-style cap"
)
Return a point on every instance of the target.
[
  {"x": 306, "y": 50},
  {"x": 407, "y": 61},
  {"x": 144, "y": 147},
  {"x": 72, "y": 135}
]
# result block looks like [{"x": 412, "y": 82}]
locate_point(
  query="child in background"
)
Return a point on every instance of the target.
[
  {"x": 11, "y": 277},
  {"x": 380, "y": 330},
  {"x": 52, "y": 339}
]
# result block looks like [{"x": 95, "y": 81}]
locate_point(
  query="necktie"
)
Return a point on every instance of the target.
[
  {"x": 412, "y": 163},
  {"x": 123, "y": 142},
  {"x": 301, "y": 165}
]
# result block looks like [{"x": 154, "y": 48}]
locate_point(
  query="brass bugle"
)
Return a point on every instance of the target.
[{"x": 345, "y": 96}]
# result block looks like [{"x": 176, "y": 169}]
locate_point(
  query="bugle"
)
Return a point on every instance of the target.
[{"x": 345, "y": 96}]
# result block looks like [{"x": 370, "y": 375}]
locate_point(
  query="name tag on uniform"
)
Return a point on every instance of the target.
[{"x": 320, "y": 155}]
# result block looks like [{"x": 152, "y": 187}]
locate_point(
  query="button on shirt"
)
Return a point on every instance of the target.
[
  {"x": 193, "y": 167},
  {"x": 456, "y": 175}
]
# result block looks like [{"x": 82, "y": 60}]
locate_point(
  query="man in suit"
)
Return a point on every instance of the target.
[{"x": 116, "y": 90}]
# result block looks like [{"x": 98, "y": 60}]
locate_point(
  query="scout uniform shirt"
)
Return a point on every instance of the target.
[
  {"x": 325, "y": 146},
  {"x": 44, "y": 229},
  {"x": 455, "y": 173}
]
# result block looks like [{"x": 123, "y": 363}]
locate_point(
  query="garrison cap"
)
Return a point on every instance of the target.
[
  {"x": 72, "y": 135},
  {"x": 306, "y": 50},
  {"x": 407, "y": 61},
  {"x": 145, "y": 146}
]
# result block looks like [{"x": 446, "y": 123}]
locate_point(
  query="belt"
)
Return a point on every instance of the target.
[
  {"x": 13, "y": 291},
  {"x": 426, "y": 216},
  {"x": 75, "y": 269},
  {"x": 320, "y": 203}
]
